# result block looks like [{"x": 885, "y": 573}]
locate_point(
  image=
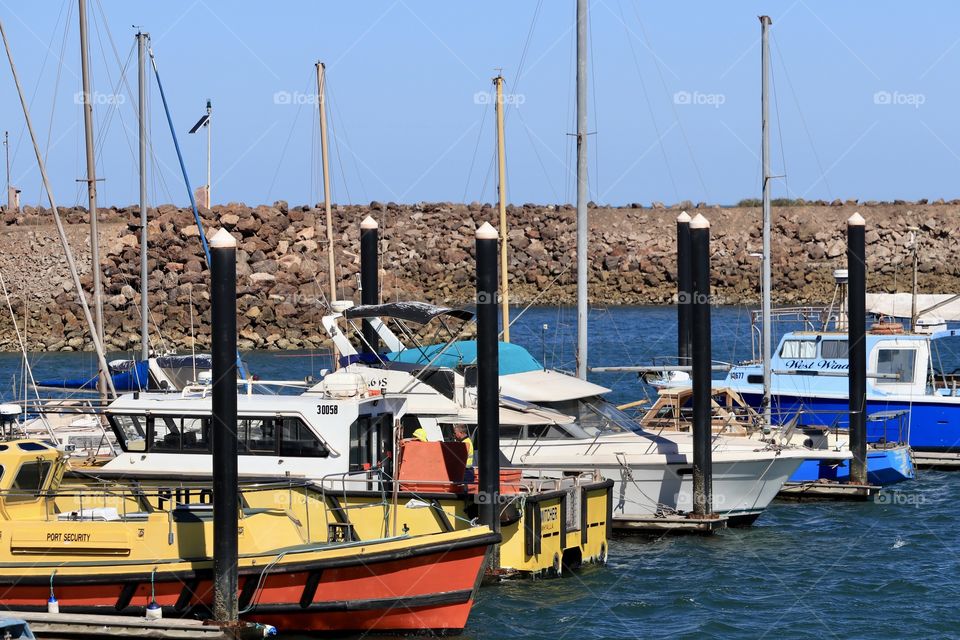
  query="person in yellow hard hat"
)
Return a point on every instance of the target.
[
  {"x": 461, "y": 434},
  {"x": 420, "y": 434}
]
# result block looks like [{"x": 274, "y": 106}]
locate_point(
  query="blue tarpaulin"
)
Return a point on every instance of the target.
[
  {"x": 136, "y": 378},
  {"x": 513, "y": 357}
]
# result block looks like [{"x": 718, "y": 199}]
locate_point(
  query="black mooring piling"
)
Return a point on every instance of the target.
[
  {"x": 857, "y": 346},
  {"x": 488, "y": 374},
  {"x": 223, "y": 319},
  {"x": 369, "y": 278},
  {"x": 684, "y": 289},
  {"x": 700, "y": 354}
]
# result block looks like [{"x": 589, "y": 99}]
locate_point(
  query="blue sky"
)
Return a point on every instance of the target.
[{"x": 866, "y": 98}]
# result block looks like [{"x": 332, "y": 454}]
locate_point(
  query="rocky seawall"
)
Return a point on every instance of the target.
[{"x": 427, "y": 254}]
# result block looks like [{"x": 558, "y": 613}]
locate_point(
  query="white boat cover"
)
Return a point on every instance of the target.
[{"x": 898, "y": 305}]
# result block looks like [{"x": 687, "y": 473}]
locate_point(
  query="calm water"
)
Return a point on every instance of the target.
[{"x": 802, "y": 571}]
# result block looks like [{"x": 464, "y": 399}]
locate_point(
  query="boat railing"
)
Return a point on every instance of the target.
[
  {"x": 96, "y": 495},
  {"x": 512, "y": 482},
  {"x": 807, "y": 318},
  {"x": 836, "y": 422}
]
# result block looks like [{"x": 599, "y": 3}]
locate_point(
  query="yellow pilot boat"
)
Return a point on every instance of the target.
[
  {"x": 122, "y": 548},
  {"x": 356, "y": 473}
]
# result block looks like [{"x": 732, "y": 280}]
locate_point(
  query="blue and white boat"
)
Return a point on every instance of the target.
[{"x": 809, "y": 378}]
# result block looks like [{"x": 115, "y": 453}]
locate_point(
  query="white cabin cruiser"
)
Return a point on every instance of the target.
[
  {"x": 551, "y": 420},
  {"x": 300, "y": 436}
]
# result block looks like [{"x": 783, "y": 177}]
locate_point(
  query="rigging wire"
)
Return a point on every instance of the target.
[
  {"x": 486, "y": 180},
  {"x": 596, "y": 111},
  {"x": 533, "y": 145},
  {"x": 286, "y": 144},
  {"x": 676, "y": 113},
  {"x": 346, "y": 139},
  {"x": 776, "y": 108},
  {"x": 569, "y": 174},
  {"x": 36, "y": 86},
  {"x": 646, "y": 97},
  {"x": 56, "y": 86},
  {"x": 803, "y": 121},
  {"x": 336, "y": 149},
  {"x": 476, "y": 148}
]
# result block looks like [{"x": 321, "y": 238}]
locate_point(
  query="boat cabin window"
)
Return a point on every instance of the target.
[
  {"x": 30, "y": 478},
  {"x": 298, "y": 441},
  {"x": 546, "y": 432},
  {"x": 257, "y": 436},
  {"x": 899, "y": 362},
  {"x": 510, "y": 431},
  {"x": 371, "y": 443},
  {"x": 285, "y": 436},
  {"x": 834, "y": 349},
  {"x": 594, "y": 416},
  {"x": 799, "y": 349},
  {"x": 131, "y": 430},
  {"x": 190, "y": 434}
]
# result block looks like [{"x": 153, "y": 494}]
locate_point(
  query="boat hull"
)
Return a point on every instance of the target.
[
  {"x": 933, "y": 426},
  {"x": 742, "y": 488},
  {"x": 405, "y": 589},
  {"x": 884, "y": 467}
]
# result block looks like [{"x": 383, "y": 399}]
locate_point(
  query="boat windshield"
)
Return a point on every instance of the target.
[{"x": 596, "y": 416}]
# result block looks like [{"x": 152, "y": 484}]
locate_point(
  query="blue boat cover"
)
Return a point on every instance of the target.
[
  {"x": 136, "y": 378},
  {"x": 513, "y": 357}
]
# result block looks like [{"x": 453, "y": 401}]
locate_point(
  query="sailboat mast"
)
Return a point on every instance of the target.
[
  {"x": 321, "y": 103},
  {"x": 765, "y": 23},
  {"x": 582, "y": 220},
  {"x": 91, "y": 182},
  {"x": 502, "y": 197},
  {"x": 144, "y": 276},
  {"x": 61, "y": 232}
]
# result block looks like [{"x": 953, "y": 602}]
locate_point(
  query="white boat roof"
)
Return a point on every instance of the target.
[
  {"x": 511, "y": 417},
  {"x": 246, "y": 403},
  {"x": 548, "y": 386},
  {"x": 898, "y": 305}
]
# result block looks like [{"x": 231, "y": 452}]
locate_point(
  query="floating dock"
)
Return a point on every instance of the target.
[
  {"x": 820, "y": 490},
  {"x": 670, "y": 524},
  {"x": 56, "y": 626},
  {"x": 936, "y": 460}
]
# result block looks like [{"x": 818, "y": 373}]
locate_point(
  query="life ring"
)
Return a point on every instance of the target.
[{"x": 886, "y": 327}]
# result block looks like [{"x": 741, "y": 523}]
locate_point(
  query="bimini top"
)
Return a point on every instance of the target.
[
  {"x": 513, "y": 358},
  {"x": 419, "y": 312}
]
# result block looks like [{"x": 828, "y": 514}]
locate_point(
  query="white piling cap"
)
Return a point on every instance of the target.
[
  {"x": 856, "y": 220},
  {"x": 223, "y": 239},
  {"x": 683, "y": 217},
  {"x": 699, "y": 222},
  {"x": 369, "y": 223},
  {"x": 486, "y": 232}
]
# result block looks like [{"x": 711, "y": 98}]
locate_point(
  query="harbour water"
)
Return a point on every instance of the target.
[{"x": 812, "y": 570}]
